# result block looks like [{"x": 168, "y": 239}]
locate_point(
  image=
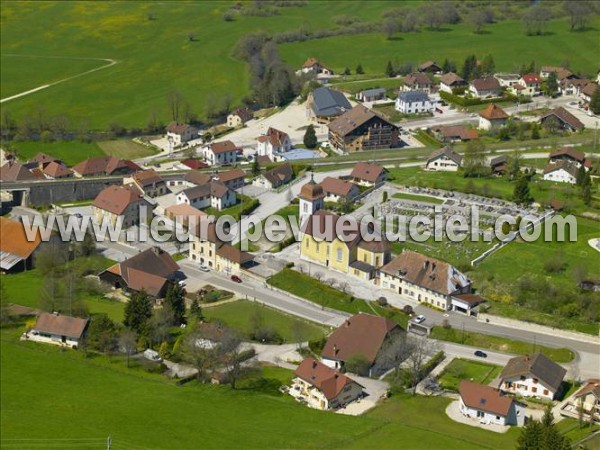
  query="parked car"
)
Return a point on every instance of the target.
[
  {"x": 419, "y": 319},
  {"x": 203, "y": 268},
  {"x": 480, "y": 354},
  {"x": 236, "y": 278}
]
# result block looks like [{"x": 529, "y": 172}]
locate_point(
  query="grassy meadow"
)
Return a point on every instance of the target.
[
  {"x": 129, "y": 92},
  {"x": 464, "y": 369}
]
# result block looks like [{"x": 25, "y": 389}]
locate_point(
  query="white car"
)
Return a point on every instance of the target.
[
  {"x": 419, "y": 319},
  {"x": 204, "y": 268}
]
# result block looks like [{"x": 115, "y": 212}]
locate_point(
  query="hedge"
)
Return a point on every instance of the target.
[{"x": 462, "y": 101}]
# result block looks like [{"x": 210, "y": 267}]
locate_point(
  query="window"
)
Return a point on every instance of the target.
[
  {"x": 534, "y": 390},
  {"x": 545, "y": 391},
  {"x": 535, "y": 380},
  {"x": 307, "y": 243},
  {"x": 339, "y": 254}
]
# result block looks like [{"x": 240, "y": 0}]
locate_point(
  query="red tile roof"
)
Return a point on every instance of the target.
[
  {"x": 361, "y": 334},
  {"x": 147, "y": 177},
  {"x": 484, "y": 398},
  {"x": 329, "y": 381},
  {"x": 13, "y": 239},
  {"x": 336, "y": 186},
  {"x": 104, "y": 165},
  {"x": 486, "y": 84},
  {"x": 14, "y": 171},
  {"x": 180, "y": 128},
  {"x": 222, "y": 147},
  {"x": 531, "y": 78},
  {"x": 56, "y": 169},
  {"x": 230, "y": 175},
  {"x": 493, "y": 112},
  {"x": 72, "y": 327},
  {"x": 367, "y": 171},
  {"x": 275, "y": 137},
  {"x": 193, "y": 163},
  {"x": 570, "y": 152},
  {"x": 116, "y": 199}
]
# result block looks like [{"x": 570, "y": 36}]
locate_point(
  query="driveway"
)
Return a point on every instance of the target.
[
  {"x": 453, "y": 411},
  {"x": 374, "y": 390}
]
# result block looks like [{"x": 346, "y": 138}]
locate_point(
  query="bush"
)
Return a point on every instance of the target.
[
  {"x": 289, "y": 265},
  {"x": 358, "y": 364},
  {"x": 461, "y": 101},
  {"x": 267, "y": 335},
  {"x": 382, "y": 301},
  {"x": 408, "y": 310},
  {"x": 317, "y": 345}
]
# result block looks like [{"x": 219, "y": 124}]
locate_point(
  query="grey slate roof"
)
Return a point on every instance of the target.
[
  {"x": 413, "y": 96},
  {"x": 371, "y": 92},
  {"x": 327, "y": 102}
]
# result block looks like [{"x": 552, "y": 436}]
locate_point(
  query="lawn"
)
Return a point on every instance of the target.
[
  {"x": 417, "y": 422},
  {"x": 239, "y": 315},
  {"x": 318, "y": 292},
  {"x": 126, "y": 149},
  {"x": 70, "y": 152},
  {"x": 464, "y": 369},
  {"x": 353, "y": 87},
  {"x": 419, "y": 198},
  {"x": 98, "y": 400},
  {"x": 244, "y": 206},
  {"x": 560, "y": 355}
]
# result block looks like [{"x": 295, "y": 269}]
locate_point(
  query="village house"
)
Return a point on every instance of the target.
[
  {"x": 313, "y": 65},
  {"x": 194, "y": 163},
  {"x": 531, "y": 84},
  {"x": 507, "y": 80},
  {"x": 180, "y": 133},
  {"x": 14, "y": 171},
  {"x": 587, "y": 400},
  {"x": 368, "y": 174},
  {"x": 41, "y": 160},
  {"x": 371, "y": 95},
  {"x": 415, "y": 102},
  {"x": 273, "y": 143},
  {"x": 444, "y": 159},
  {"x": 208, "y": 250},
  {"x": 17, "y": 253},
  {"x": 499, "y": 165},
  {"x": 324, "y": 104},
  {"x": 321, "y": 245},
  {"x": 454, "y": 133},
  {"x": 239, "y": 117},
  {"x": 57, "y": 329},
  {"x": 587, "y": 92},
  {"x": 492, "y": 117},
  {"x": 362, "y": 129},
  {"x": 337, "y": 190},
  {"x": 197, "y": 178},
  {"x": 121, "y": 203},
  {"x": 104, "y": 166},
  {"x": 151, "y": 271},
  {"x": 563, "y": 118},
  {"x": 233, "y": 179},
  {"x": 430, "y": 67},
  {"x": 488, "y": 406},
  {"x": 570, "y": 155},
  {"x": 561, "y": 172},
  {"x": 220, "y": 153},
  {"x": 532, "y": 376},
  {"x": 275, "y": 177},
  {"x": 573, "y": 86},
  {"x": 425, "y": 279},
  {"x": 451, "y": 81},
  {"x": 485, "y": 87},
  {"x": 362, "y": 334},
  {"x": 561, "y": 72},
  {"x": 147, "y": 182},
  {"x": 323, "y": 388},
  {"x": 417, "y": 81},
  {"x": 213, "y": 194},
  {"x": 57, "y": 170},
  {"x": 185, "y": 214}
]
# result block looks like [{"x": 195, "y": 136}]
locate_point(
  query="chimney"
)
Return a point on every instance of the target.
[
  {"x": 347, "y": 323},
  {"x": 55, "y": 313},
  {"x": 335, "y": 349},
  {"x": 426, "y": 264},
  {"x": 314, "y": 364},
  {"x": 432, "y": 266}
]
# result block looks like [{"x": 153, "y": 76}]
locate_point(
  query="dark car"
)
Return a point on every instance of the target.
[
  {"x": 480, "y": 354},
  {"x": 236, "y": 278}
]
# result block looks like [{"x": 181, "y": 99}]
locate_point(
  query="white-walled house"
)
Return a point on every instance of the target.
[
  {"x": 561, "y": 172},
  {"x": 424, "y": 279},
  {"x": 532, "y": 376},
  {"x": 507, "y": 79},
  {"x": 488, "y": 406},
  {"x": 444, "y": 159},
  {"x": 492, "y": 117},
  {"x": 485, "y": 87},
  {"x": 415, "y": 102},
  {"x": 58, "y": 330},
  {"x": 450, "y": 81},
  {"x": 531, "y": 84},
  {"x": 272, "y": 143},
  {"x": 322, "y": 387},
  {"x": 181, "y": 133},
  {"x": 220, "y": 153},
  {"x": 214, "y": 194}
]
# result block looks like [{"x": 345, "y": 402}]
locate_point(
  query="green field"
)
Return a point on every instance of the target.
[
  {"x": 125, "y": 149},
  {"x": 70, "y": 152},
  {"x": 464, "y": 369},
  {"x": 505, "y": 40},
  {"x": 239, "y": 315},
  {"x": 485, "y": 341},
  {"x": 137, "y": 86}
]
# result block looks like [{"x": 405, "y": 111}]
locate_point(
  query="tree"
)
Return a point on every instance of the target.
[
  {"x": 477, "y": 18},
  {"x": 488, "y": 66},
  {"x": 389, "y": 70},
  {"x": 530, "y": 436},
  {"x": 394, "y": 354},
  {"x": 347, "y": 71},
  {"x": 384, "y": 197},
  {"x": 175, "y": 299},
  {"x": 474, "y": 161},
  {"x": 535, "y": 131},
  {"x": 535, "y": 19},
  {"x": 586, "y": 189},
  {"x": 127, "y": 343},
  {"x": 200, "y": 357},
  {"x": 310, "y": 137},
  {"x": 299, "y": 332},
  {"x": 552, "y": 124},
  {"x": 359, "y": 69},
  {"x": 469, "y": 69},
  {"x": 255, "y": 167},
  {"x": 542, "y": 434},
  {"x": 358, "y": 364},
  {"x": 138, "y": 311},
  {"x": 390, "y": 27},
  {"x": 579, "y": 12},
  {"x": 514, "y": 165},
  {"x": 195, "y": 310},
  {"x": 191, "y": 36},
  {"x": 595, "y": 101},
  {"x": 228, "y": 353},
  {"x": 418, "y": 350},
  {"x": 551, "y": 85},
  {"x": 521, "y": 194},
  {"x": 448, "y": 66},
  {"x": 102, "y": 334},
  {"x": 581, "y": 173},
  {"x": 410, "y": 22},
  {"x": 174, "y": 100}
]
